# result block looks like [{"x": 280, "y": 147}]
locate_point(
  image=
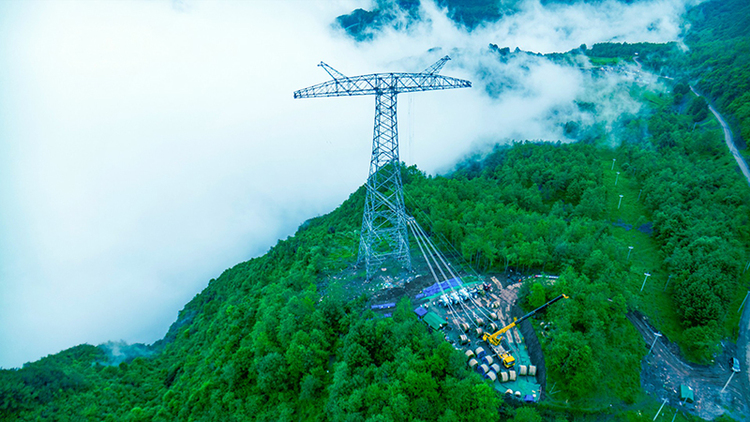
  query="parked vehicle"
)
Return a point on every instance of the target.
[{"x": 735, "y": 364}]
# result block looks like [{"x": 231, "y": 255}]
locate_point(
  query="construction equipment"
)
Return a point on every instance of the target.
[
  {"x": 494, "y": 339},
  {"x": 508, "y": 360}
]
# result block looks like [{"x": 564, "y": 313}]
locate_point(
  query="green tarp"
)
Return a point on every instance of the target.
[
  {"x": 434, "y": 320},
  {"x": 686, "y": 394}
]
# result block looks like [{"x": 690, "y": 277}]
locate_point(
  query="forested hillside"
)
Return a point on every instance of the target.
[
  {"x": 720, "y": 57},
  {"x": 280, "y": 338},
  {"x": 261, "y": 342}
]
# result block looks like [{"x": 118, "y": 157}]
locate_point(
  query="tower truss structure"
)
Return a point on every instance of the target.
[{"x": 384, "y": 221}]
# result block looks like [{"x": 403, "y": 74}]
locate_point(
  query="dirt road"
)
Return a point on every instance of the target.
[
  {"x": 729, "y": 140},
  {"x": 664, "y": 370},
  {"x": 730, "y": 143}
]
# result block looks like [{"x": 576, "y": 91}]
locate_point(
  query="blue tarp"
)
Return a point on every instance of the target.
[
  {"x": 528, "y": 398},
  {"x": 383, "y": 306},
  {"x": 420, "y": 311},
  {"x": 439, "y": 287}
]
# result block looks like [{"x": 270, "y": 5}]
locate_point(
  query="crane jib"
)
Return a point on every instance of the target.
[{"x": 539, "y": 309}]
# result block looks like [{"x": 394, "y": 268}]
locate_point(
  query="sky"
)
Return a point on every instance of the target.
[{"x": 146, "y": 146}]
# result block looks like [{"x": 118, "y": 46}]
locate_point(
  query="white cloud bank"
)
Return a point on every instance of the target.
[{"x": 146, "y": 146}]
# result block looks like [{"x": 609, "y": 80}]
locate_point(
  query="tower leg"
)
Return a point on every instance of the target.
[{"x": 384, "y": 232}]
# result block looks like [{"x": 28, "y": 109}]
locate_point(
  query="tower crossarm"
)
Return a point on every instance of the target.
[
  {"x": 379, "y": 83},
  {"x": 435, "y": 68}
]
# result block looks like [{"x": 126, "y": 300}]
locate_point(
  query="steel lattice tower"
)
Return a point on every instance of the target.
[{"x": 384, "y": 231}]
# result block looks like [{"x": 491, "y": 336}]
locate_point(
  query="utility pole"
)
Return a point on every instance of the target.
[
  {"x": 730, "y": 379},
  {"x": 656, "y": 337},
  {"x": 630, "y": 249},
  {"x": 617, "y": 177},
  {"x": 613, "y": 163},
  {"x": 384, "y": 221},
  {"x": 644, "y": 280},
  {"x": 662, "y": 406},
  {"x": 743, "y": 301},
  {"x": 620, "y": 202},
  {"x": 665, "y": 286}
]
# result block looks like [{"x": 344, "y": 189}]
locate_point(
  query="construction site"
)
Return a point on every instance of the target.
[
  {"x": 478, "y": 316},
  {"x": 482, "y": 319}
]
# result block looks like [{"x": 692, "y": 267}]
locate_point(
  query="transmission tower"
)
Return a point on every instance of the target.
[{"x": 384, "y": 229}]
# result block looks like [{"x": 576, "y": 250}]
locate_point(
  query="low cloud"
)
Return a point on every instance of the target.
[{"x": 147, "y": 146}]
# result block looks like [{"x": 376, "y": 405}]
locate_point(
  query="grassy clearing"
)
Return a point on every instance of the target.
[
  {"x": 646, "y": 256},
  {"x": 654, "y": 100},
  {"x": 604, "y": 61}
]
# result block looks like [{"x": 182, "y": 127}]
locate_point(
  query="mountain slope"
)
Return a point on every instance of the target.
[{"x": 279, "y": 337}]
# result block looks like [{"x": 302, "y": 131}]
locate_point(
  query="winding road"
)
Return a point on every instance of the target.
[{"x": 728, "y": 139}]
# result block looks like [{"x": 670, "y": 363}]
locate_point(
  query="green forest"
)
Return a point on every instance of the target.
[{"x": 280, "y": 338}]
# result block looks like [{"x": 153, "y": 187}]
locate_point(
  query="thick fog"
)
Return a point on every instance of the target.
[{"x": 147, "y": 146}]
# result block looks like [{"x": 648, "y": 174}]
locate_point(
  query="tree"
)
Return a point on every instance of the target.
[
  {"x": 272, "y": 375},
  {"x": 702, "y": 341},
  {"x": 538, "y": 296},
  {"x": 527, "y": 414},
  {"x": 698, "y": 109},
  {"x": 572, "y": 357}
]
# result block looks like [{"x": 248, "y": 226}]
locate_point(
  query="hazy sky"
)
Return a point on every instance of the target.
[{"x": 146, "y": 146}]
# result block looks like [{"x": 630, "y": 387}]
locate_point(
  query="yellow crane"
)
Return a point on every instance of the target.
[{"x": 495, "y": 338}]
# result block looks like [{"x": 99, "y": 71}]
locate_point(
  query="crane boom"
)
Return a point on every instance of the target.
[{"x": 495, "y": 338}]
